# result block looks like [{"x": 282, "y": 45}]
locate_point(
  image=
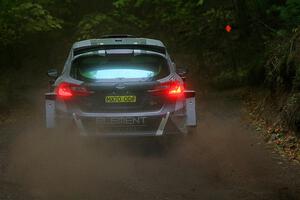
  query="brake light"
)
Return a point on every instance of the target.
[
  {"x": 68, "y": 90},
  {"x": 172, "y": 89},
  {"x": 176, "y": 89}
]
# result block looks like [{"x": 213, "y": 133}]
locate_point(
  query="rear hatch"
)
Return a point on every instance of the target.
[{"x": 120, "y": 81}]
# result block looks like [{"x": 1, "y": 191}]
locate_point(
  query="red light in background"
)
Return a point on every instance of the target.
[{"x": 228, "y": 28}]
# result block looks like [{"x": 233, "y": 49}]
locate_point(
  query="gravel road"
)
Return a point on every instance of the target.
[{"x": 225, "y": 158}]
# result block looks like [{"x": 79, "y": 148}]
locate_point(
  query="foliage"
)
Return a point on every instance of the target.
[
  {"x": 23, "y": 19},
  {"x": 290, "y": 13},
  {"x": 296, "y": 81},
  {"x": 283, "y": 63},
  {"x": 19, "y": 22},
  {"x": 231, "y": 78},
  {"x": 257, "y": 49},
  {"x": 95, "y": 25},
  {"x": 190, "y": 21}
]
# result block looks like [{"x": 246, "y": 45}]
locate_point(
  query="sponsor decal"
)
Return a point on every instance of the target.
[{"x": 136, "y": 121}]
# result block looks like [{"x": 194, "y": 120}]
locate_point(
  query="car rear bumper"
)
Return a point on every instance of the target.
[
  {"x": 171, "y": 119},
  {"x": 126, "y": 124}
]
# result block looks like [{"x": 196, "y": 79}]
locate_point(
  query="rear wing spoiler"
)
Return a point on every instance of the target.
[{"x": 157, "y": 49}]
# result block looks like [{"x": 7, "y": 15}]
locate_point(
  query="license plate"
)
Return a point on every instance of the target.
[{"x": 120, "y": 99}]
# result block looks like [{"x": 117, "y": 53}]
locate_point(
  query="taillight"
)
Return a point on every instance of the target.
[
  {"x": 176, "y": 89},
  {"x": 69, "y": 90},
  {"x": 172, "y": 89}
]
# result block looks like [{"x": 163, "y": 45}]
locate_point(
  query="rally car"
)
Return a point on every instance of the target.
[{"x": 120, "y": 85}]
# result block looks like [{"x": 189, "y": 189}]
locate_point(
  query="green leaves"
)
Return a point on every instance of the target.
[
  {"x": 23, "y": 19},
  {"x": 93, "y": 26},
  {"x": 200, "y": 3},
  {"x": 120, "y": 3},
  {"x": 33, "y": 18},
  {"x": 290, "y": 13}
]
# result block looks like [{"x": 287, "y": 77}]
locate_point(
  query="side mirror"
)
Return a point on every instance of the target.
[{"x": 52, "y": 73}]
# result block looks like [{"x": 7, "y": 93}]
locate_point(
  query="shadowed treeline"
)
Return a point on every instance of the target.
[{"x": 36, "y": 34}]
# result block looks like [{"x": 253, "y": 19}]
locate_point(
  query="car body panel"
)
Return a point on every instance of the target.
[{"x": 175, "y": 116}]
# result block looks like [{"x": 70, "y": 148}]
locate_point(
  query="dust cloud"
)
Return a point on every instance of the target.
[
  {"x": 58, "y": 166},
  {"x": 223, "y": 159}
]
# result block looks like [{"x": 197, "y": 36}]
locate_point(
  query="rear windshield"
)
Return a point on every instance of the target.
[{"x": 97, "y": 68}]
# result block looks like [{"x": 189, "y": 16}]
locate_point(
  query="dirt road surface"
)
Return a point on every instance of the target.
[{"x": 224, "y": 159}]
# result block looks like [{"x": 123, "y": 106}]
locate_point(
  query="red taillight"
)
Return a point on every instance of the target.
[
  {"x": 64, "y": 91},
  {"x": 68, "y": 90},
  {"x": 176, "y": 89},
  {"x": 172, "y": 89}
]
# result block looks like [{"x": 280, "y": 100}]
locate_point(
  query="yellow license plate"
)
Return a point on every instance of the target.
[{"x": 120, "y": 99}]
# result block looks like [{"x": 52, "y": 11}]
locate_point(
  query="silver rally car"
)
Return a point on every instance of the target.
[{"x": 120, "y": 86}]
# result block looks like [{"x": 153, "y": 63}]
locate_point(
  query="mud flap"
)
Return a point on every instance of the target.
[
  {"x": 191, "y": 118},
  {"x": 162, "y": 125},
  {"x": 50, "y": 110},
  {"x": 79, "y": 125}
]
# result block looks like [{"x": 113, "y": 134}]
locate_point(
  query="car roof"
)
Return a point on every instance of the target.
[{"x": 119, "y": 42}]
